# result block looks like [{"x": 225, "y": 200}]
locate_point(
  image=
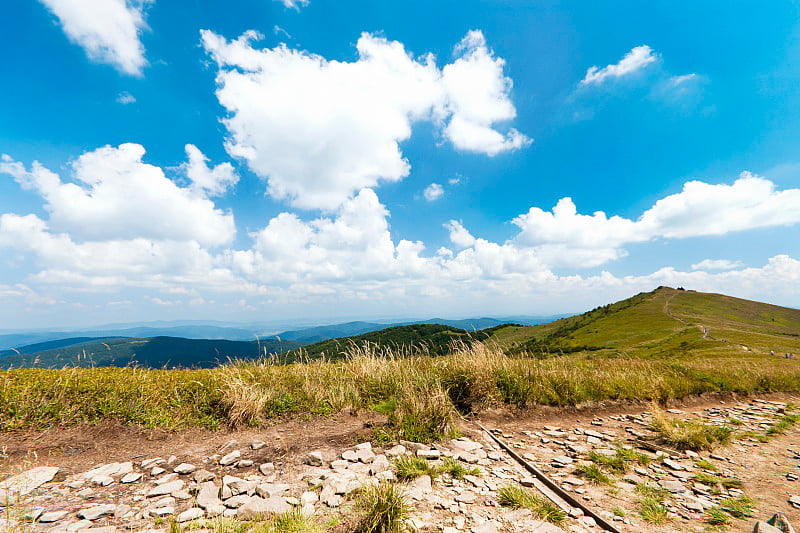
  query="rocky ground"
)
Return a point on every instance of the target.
[{"x": 91, "y": 482}]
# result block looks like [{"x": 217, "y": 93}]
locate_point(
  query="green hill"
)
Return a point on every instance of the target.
[
  {"x": 664, "y": 322},
  {"x": 432, "y": 339},
  {"x": 153, "y": 352}
]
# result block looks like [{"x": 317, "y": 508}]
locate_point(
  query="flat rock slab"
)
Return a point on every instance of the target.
[
  {"x": 52, "y": 516},
  {"x": 191, "y": 514},
  {"x": 166, "y": 488},
  {"x": 259, "y": 508},
  {"x": 96, "y": 511},
  {"x": 25, "y": 483}
]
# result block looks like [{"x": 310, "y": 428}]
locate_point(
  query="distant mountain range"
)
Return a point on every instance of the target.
[
  {"x": 153, "y": 352},
  {"x": 245, "y": 332},
  {"x": 662, "y": 323}
]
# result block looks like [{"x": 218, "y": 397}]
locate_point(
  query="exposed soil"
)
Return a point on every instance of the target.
[{"x": 763, "y": 467}]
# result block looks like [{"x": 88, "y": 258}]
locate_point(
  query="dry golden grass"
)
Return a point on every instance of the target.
[{"x": 421, "y": 390}]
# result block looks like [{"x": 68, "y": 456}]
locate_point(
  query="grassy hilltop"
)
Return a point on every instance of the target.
[
  {"x": 662, "y": 344},
  {"x": 664, "y": 323}
]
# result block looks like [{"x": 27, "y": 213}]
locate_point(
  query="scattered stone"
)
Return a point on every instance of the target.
[
  {"x": 230, "y": 458},
  {"x": 257, "y": 444},
  {"x": 467, "y": 497},
  {"x": 763, "y": 527},
  {"x": 166, "y": 488},
  {"x": 429, "y": 454},
  {"x": 203, "y": 475},
  {"x": 489, "y": 526},
  {"x": 184, "y": 468},
  {"x": 633, "y": 479},
  {"x": 314, "y": 459},
  {"x": 102, "y": 480},
  {"x": 52, "y": 516},
  {"x": 271, "y": 490},
  {"x": 672, "y": 485},
  {"x": 413, "y": 447},
  {"x": 228, "y": 446},
  {"x": 780, "y": 522},
  {"x": 395, "y": 451},
  {"x": 208, "y": 495},
  {"x": 190, "y": 514},
  {"x": 267, "y": 468},
  {"x": 259, "y": 508},
  {"x": 96, "y": 511},
  {"x": 350, "y": 456},
  {"x": 152, "y": 462},
  {"x": 25, "y": 483},
  {"x": 132, "y": 477}
]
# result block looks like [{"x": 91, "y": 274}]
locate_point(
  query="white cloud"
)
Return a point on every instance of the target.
[
  {"x": 637, "y": 59},
  {"x": 459, "y": 235},
  {"x": 293, "y": 4},
  {"x": 319, "y": 130},
  {"x": 355, "y": 244},
  {"x": 125, "y": 98},
  {"x": 716, "y": 264},
  {"x": 477, "y": 94},
  {"x": 108, "y": 30},
  {"x": 433, "y": 192},
  {"x": 214, "y": 181},
  {"x": 700, "y": 209},
  {"x": 117, "y": 196}
]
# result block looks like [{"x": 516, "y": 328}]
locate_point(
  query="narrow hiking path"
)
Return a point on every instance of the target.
[{"x": 125, "y": 480}]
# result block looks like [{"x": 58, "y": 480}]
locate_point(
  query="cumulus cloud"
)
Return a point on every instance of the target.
[
  {"x": 115, "y": 195},
  {"x": 635, "y": 60},
  {"x": 320, "y": 130},
  {"x": 477, "y": 98},
  {"x": 355, "y": 244},
  {"x": 348, "y": 256},
  {"x": 433, "y": 192},
  {"x": 213, "y": 181},
  {"x": 700, "y": 209},
  {"x": 108, "y": 30},
  {"x": 716, "y": 264},
  {"x": 459, "y": 235}
]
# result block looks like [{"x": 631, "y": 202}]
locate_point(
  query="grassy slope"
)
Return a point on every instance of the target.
[
  {"x": 663, "y": 323},
  {"x": 638, "y": 351},
  {"x": 155, "y": 352}
]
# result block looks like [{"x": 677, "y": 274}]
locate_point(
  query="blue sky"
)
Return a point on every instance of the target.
[{"x": 278, "y": 159}]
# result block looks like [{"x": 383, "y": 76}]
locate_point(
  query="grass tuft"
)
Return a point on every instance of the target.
[
  {"x": 717, "y": 517},
  {"x": 706, "y": 465},
  {"x": 593, "y": 473},
  {"x": 616, "y": 463},
  {"x": 408, "y": 467},
  {"x": 456, "y": 469},
  {"x": 518, "y": 497},
  {"x": 783, "y": 425},
  {"x": 651, "y": 503},
  {"x": 381, "y": 508},
  {"x": 689, "y": 434},
  {"x": 732, "y": 484},
  {"x": 737, "y": 507},
  {"x": 706, "y": 479}
]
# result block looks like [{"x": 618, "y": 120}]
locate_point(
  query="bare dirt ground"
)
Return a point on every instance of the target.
[{"x": 763, "y": 467}]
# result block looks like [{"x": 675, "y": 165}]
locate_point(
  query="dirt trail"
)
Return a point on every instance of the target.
[{"x": 554, "y": 440}]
